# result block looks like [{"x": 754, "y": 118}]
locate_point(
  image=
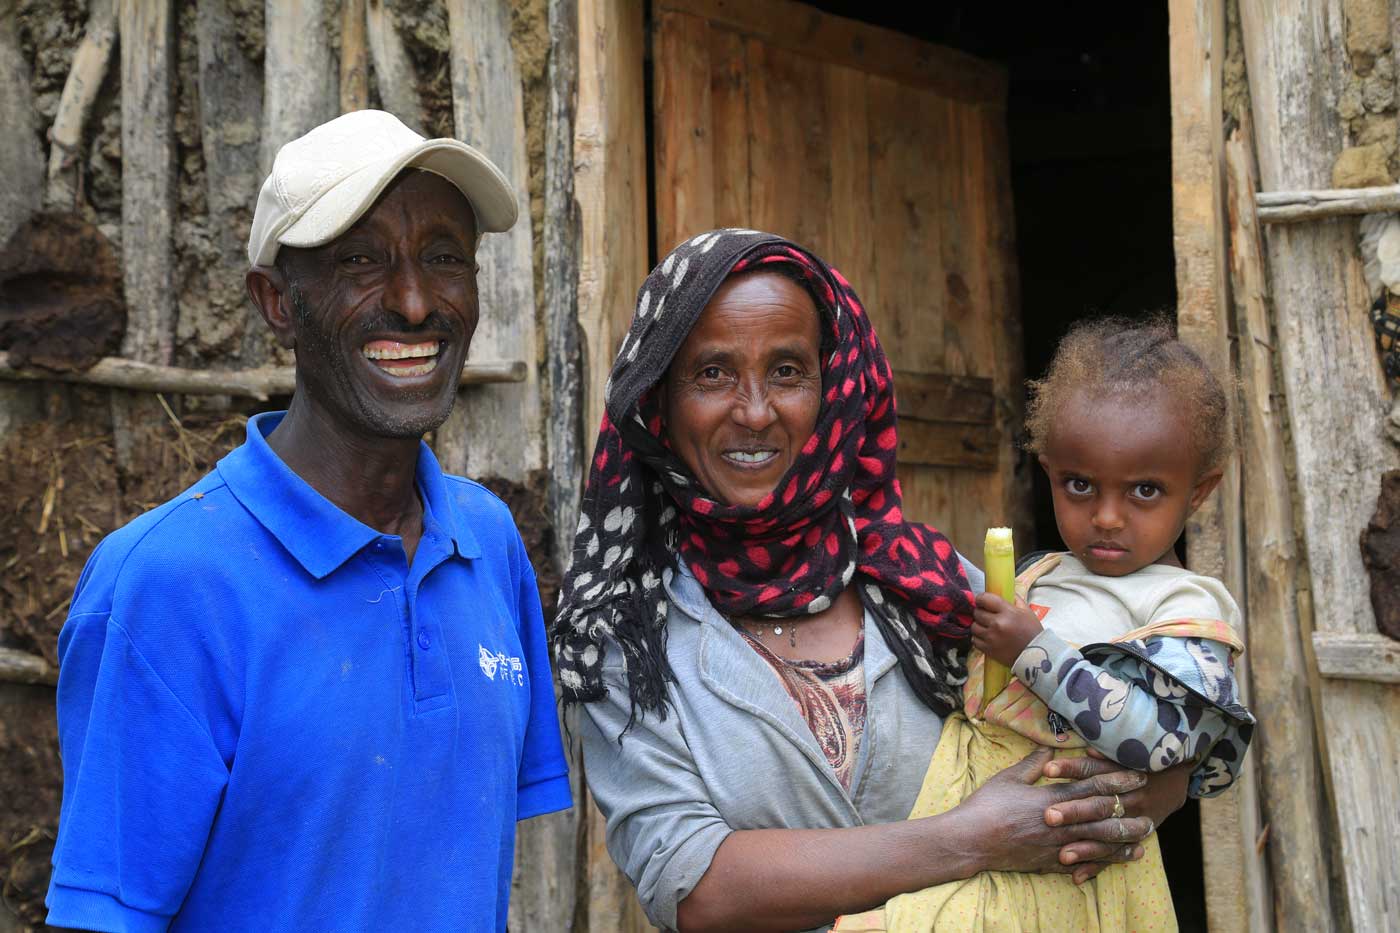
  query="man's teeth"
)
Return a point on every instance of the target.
[
  {"x": 393, "y": 350},
  {"x": 757, "y": 456},
  {"x": 419, "y": 369}
]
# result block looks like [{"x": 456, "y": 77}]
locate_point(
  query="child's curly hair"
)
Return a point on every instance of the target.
[{"x": 1121, "y": 356}]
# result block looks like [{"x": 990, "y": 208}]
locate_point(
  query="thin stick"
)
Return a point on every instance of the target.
[
  {"x": 79, "y": 93},
  {"x": 260, "y": 383},
  {"x": 21, "y": 667},
  {"x": 1290, "y": 207}
]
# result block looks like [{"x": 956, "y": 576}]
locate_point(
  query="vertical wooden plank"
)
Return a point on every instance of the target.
[
  {"x": 230, "y": 110},
  {"x": 75, "y": 105},
  {"x": 789, "y": 146},
  {"x": 610, "y": 183},
  {"x": 852, "y": 225},
  {"x": 610, "y": 180},
  {"x": 393, "y": 69},
  {"x": 729, "y": 108},
  {"x": 904, "y": 204},
  {"x": 561, "y": 279},
  {"x": 1337, "y": 401},
  {"x": 148, "y": 179},
  {"x": 354, "y": 57},
  {"x": 1237, "y": 886},
  {"x": 489, "y": 111},
  {"x": 684, "y": 151},
  {"x": 299, "y": 90},
  {"x": 905, "y": 123},
  {"x": 21, "y": 185},
  {"x": 1287, "y": 747},
  {"x": 1004, "y": 304},
  {"x": 21, "y": 159}
]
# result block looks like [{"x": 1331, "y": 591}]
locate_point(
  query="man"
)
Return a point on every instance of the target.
[{"x": 312, "y": 692}]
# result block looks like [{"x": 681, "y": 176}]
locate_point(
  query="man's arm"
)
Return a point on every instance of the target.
[{"x": 141, "y": 784}]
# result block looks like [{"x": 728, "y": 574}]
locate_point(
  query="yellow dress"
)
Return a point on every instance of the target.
[{"x": 1130, "y": 897}]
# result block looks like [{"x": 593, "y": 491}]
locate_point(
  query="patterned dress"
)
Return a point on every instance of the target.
[
  {"x": 1155, "y": 691},
  {"x": 831, "y": 697}
]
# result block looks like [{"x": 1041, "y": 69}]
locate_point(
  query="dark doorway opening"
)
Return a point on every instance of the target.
[{"x": 1089, "y": 119}]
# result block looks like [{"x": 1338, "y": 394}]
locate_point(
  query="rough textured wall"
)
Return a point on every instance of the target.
[
  {"x": 1368, "y": 103},
  {"x": 214, "y": 321}
]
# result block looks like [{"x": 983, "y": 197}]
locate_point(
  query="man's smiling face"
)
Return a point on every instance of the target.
[{"x": 384, "y": 314}]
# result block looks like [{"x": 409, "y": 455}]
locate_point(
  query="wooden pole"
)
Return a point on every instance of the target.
[
  {"x": 1289, "y": 207},
  {"x": 488, "y": 106},
  {"x": 1236, "y": 876},
  {"x": 610, "y": 182},
  {"x": 553, "y": 846},
  {"x": 20, "y": 667},
  {"x": 148, "y": 179},
  {"x": 299, "y": 87},
  {"x": 393, "y": 69},
  {"x": 21, "y": 160},
  {"x": 561, "y": 258},
  {"x": 75, "y": 105},
  {"x": 230, "y": 110},
  {"x": 1337, "y": 403},
  {"x": 1373, "y": 658},
  {"x": 354, "y": 57},
  {"x": 259, "y": 383},
  {"x": 1294, "y": 802}
]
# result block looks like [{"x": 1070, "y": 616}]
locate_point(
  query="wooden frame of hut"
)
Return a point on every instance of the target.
[{"x": 1269, "y": 282}]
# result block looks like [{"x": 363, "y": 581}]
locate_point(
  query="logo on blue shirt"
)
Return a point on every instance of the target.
[{"x": 510, "y": 669}]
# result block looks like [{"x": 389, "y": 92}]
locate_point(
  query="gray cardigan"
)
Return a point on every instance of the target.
[{"x": 735, "y": 753}]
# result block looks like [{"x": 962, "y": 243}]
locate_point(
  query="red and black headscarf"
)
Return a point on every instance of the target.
[{"x": 835, "y": 518}]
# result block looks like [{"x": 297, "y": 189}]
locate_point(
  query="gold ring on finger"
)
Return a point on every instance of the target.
[{"x": 1118, "y": 811}]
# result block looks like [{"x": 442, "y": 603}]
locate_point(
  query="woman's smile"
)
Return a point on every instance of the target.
[{"x": 750, "y": 459}]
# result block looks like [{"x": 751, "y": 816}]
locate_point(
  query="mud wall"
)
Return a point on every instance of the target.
[{"x": 1368, "y": 102}]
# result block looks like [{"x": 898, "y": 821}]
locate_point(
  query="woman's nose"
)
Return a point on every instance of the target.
[{"x": 753, "y": 409}]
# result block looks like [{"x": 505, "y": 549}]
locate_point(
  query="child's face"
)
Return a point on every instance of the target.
[{"x": 1125, "y": 476}]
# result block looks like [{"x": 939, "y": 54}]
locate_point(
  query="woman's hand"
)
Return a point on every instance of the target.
[
  {"x": 1010, "y": 819},
  {"x": 1160, "y": 796}
]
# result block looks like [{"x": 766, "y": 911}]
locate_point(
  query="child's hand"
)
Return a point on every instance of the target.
[{"x": 1000, "y": 630}]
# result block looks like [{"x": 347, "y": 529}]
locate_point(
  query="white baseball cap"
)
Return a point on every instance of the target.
[{"x": 321, "y": 183}]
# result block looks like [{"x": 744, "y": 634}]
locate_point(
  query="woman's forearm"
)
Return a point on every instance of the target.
[{"x": 785, "y": 879}]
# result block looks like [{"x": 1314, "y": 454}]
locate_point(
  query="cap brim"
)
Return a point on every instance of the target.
[{"x": 337, "y": 210}]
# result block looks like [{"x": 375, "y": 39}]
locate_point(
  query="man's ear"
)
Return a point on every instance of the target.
[
  {"x": 270, "y": 293},
  {"x": 1204, "y": 487}
]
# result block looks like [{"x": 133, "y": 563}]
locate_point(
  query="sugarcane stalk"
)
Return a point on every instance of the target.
[{"x": 1000, "y": 565}]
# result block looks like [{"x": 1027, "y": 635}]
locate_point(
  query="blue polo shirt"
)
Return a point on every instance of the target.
[{"x": 270, "y": 721}]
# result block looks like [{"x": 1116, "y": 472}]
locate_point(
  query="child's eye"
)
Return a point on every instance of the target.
[
  {"x": 1079, "y": 487},
  {"x": 1146, "y": 491}
]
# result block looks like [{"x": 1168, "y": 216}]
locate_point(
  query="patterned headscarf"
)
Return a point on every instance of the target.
[{"x": 834, "y": 517}]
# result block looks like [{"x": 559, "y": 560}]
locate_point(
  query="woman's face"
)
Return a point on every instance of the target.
[{"x": 743, "y": 392}]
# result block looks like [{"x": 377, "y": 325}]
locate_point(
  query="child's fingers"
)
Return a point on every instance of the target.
[{"x": 991, "y": 602}]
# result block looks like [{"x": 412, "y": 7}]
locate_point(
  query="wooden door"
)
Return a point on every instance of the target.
[{"x": 887, "y": 157}]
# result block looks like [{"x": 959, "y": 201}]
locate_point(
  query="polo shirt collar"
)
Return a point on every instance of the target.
[{"x": 313, "y": 529}]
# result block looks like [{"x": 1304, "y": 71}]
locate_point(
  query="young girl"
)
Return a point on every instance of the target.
[{"x": 1113, "y": 644}]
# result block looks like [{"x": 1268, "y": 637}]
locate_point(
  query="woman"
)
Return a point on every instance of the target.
[{"x": 763, "y": 649}]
